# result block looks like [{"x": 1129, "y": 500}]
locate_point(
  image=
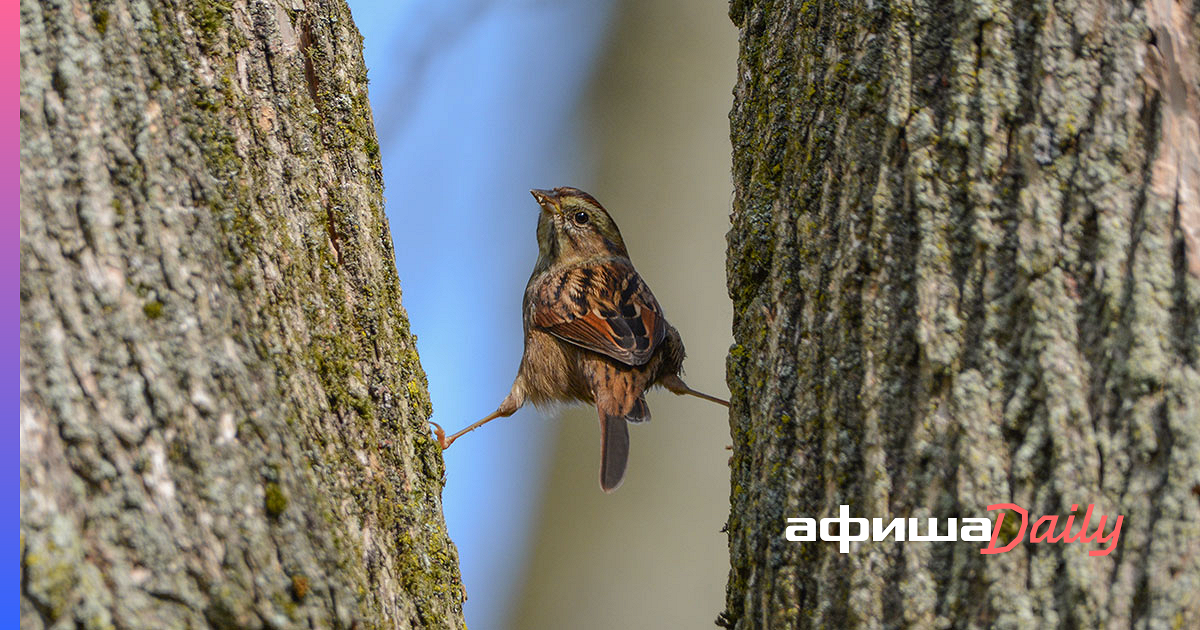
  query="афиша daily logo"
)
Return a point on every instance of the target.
[{"x": 1044, "y": 530}]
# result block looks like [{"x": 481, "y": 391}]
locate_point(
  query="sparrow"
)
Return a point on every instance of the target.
[{"x": 594, "y": 333}]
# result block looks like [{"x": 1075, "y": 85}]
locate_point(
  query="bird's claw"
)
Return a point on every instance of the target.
[{"x": 441, "y": 435}]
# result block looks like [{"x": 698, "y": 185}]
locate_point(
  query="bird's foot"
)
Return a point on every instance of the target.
[{"x": 441, "y": 435}]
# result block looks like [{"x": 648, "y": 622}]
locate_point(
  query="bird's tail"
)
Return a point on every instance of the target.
[{"x": 614, "y": 450}]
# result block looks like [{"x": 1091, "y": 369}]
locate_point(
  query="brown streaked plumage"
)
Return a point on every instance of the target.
[{"x": 593, "y": 331}]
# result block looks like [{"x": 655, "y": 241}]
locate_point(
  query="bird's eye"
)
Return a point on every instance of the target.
[{"x": 580, "y": 218}]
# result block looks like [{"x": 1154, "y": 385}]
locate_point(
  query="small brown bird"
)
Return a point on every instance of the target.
[{"x": 593, "y": 330}]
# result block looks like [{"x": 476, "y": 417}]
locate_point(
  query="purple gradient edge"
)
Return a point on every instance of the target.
[{"x": 10, "y": 188}]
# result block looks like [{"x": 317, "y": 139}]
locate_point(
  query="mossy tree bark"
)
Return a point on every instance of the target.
[
  {"x": 964, "y": 267},
  {"x": 222, "y": 409}
]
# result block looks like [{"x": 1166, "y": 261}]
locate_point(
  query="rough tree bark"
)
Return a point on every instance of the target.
[
  {"x": 964, "y": 266},
  {"x": 222, "y": 409}
]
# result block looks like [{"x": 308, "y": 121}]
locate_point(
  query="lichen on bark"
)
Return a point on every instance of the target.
[
  {"x": 954, "y": 285},
  {"x": 222, "y": 407}
]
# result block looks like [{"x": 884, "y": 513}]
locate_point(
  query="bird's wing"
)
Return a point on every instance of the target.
[{"x": 605, "y": 307}]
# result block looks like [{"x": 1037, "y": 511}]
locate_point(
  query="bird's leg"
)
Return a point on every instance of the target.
[
  {"x": 507, "y": 408},
  {"x": 445, "y": 442},
  {"x": 679, "y": 388}
]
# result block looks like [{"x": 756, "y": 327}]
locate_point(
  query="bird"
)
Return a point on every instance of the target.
[{"x": 594, "y": 332}]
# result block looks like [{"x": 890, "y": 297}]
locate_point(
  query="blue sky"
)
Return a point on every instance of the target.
[{"x": 475, "y": 104}]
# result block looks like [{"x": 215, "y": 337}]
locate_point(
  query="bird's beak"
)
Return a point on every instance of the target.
[{"x": 547, "y": 199}]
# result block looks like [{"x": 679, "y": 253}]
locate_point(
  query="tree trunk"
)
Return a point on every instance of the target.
[
  {"x": 222, "y": 409},
  {"x": 964, "y": 269}
]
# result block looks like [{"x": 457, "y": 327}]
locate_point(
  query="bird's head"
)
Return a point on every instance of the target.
[{"x": 573, "y": 227}]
